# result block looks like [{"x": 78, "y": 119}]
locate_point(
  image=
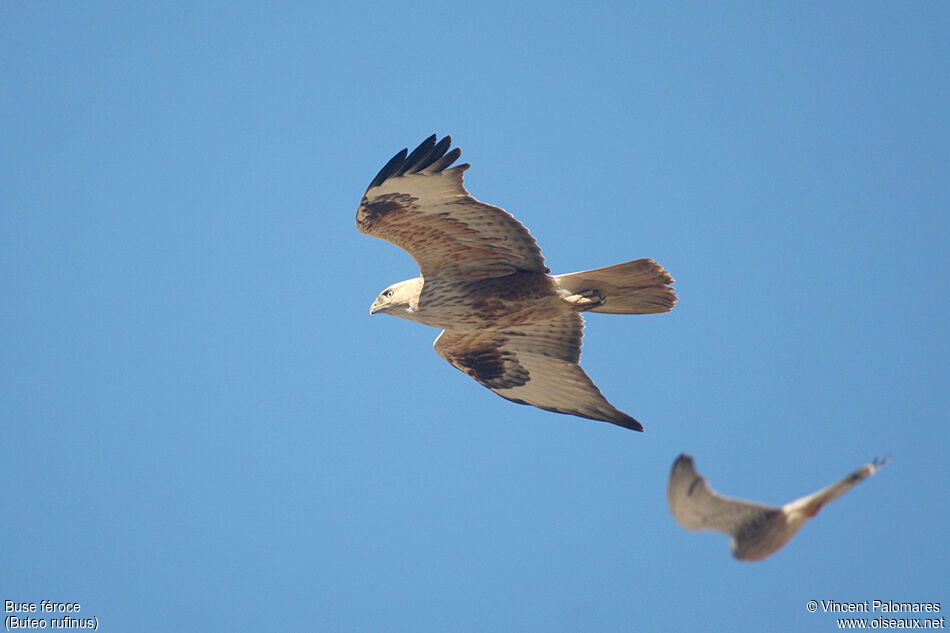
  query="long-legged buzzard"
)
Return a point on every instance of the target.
[
  {"x": 756, "y": 530},
  {"x": 507, "y": 323}
]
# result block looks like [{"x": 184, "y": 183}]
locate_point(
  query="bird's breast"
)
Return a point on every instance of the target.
[{"x": 494, "y": 303}]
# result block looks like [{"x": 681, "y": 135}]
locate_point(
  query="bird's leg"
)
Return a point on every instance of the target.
[{"x": 587, "y": 299}]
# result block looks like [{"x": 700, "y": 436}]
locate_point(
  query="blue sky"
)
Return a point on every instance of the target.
[{"x": 203, "y": 429}]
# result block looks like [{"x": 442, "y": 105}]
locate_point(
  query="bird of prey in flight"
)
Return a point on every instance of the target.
[
  {"x": 506, "y": 322},
  {"x": 757, "y": 531}
]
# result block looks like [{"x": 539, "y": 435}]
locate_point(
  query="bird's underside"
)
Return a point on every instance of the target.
[{"x": 507, "y": 323}]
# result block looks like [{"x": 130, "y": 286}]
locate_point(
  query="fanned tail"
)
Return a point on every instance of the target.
[{"x": 640, "y": 286}]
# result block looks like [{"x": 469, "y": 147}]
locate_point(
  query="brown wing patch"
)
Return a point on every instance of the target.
[
  {"x": 418, "y": 202},
  {"x": 533, "y": 364},
  {"x": 390, "y": 206},
  {"x": 490, "y": 366}
]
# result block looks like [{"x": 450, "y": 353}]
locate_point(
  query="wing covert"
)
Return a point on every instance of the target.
[
  {"x": 535, "y": 364},
  {"x": 696, "y": 506},
  {"x": 419, "y": 203}
]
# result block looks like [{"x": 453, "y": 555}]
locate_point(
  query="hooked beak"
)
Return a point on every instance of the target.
[{"x": 376, "y": 307}]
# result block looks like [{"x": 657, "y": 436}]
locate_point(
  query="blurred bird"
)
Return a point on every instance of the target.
[{"x": 757, "y": 530}]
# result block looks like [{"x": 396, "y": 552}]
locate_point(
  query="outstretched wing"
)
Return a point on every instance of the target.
[
  {"x": 811, "y": 504},
  {"x": 696, "y": 506},
  {"x": 419, "y": 203},
  {"x": 757, "y": 531},
  {"x": 533, "y": 364}
]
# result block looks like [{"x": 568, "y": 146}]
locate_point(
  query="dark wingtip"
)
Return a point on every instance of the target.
[
  {"x": 417, "y": 156},
  {"x": 389, "y": 168},
  {"x": 429, "y": 155},
  {"x": 682, "y": 459},
  {"x": 628, "y": 422},
  {"x": 683, "y": 462}
]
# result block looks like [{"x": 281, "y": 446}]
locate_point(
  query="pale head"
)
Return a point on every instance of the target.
[{"x": 398, "y": 299}]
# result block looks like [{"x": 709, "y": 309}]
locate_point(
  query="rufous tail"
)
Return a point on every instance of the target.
[{"x": 640, "y": 286}]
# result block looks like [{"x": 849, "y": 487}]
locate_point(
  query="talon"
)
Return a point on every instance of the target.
[
  {"x": 594, "y": 297},
  {"x": 588, "y": 299}
]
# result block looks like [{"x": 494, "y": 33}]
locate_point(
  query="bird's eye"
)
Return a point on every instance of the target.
[{"x": 387, "y": 293}]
